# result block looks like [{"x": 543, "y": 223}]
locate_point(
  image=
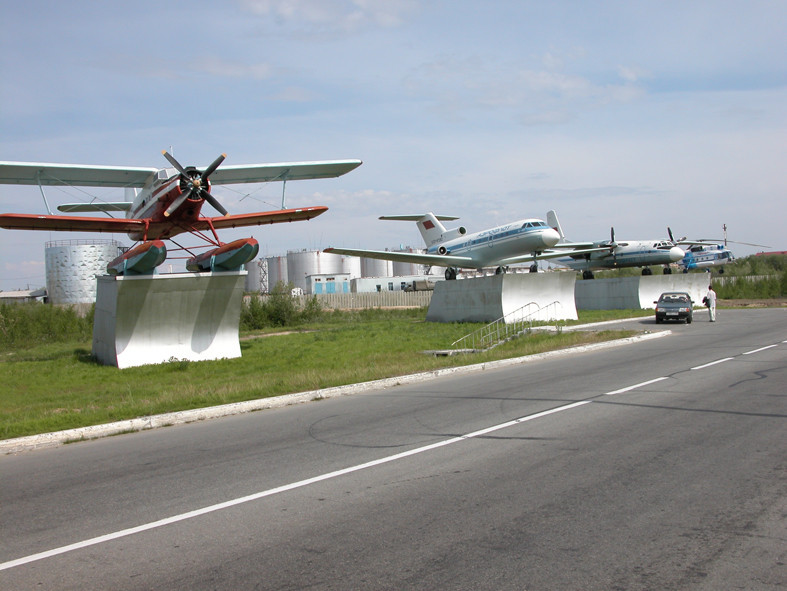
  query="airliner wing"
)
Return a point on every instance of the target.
[
  {"x": 438, "y": 260},
  {"x": 78, "y": 175},
  {"x": 260, "y": 218},
  {"x": 18, "y": 221},
  {"x": 577, "y": 245},
  {"x": 547, "y": 254},
  {"x": 283, "y": 171}
]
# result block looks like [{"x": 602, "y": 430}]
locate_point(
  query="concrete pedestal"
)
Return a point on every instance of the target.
[
  {"x": 485, "y": 299},
  {"x": 634, "y": 293},
  {"x": 143, "y": 320}
]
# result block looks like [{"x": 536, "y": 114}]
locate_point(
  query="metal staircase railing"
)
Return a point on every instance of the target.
[{"x": 509, "y": 326}]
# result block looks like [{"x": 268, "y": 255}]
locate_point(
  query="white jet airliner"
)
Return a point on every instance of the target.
[{"x": 517, "y": 242}]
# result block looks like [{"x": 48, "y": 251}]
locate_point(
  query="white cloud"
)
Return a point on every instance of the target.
[
  {"x": 338, "y": 15},
  {"x": 633, "y": 73}
]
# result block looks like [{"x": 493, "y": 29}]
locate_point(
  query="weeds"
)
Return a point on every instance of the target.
[
  {"x": 278, "y": 310},
  {"x": 28, "y": 325}
]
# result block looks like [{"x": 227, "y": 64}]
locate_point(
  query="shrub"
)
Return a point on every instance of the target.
[{"x": 278, "y": 309}]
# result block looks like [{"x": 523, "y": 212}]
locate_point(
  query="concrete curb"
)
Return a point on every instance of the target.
[{"x": 11, "y": 446}]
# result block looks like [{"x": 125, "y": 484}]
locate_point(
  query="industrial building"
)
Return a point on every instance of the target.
[{"x": 315, "y": 272}]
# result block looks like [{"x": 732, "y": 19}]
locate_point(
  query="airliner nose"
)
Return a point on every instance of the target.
[
  {"x": 550, "y": 237},
  {"x": 676, "y": 253}
]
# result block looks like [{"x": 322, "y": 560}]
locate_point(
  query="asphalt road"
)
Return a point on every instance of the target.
[{"x": 658, "y": 465}]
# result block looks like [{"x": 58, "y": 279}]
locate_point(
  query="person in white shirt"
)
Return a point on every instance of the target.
[{"x": 711, "y": 303}]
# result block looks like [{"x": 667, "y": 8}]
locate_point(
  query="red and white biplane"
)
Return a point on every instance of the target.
[{"x": 165, "y": 202}]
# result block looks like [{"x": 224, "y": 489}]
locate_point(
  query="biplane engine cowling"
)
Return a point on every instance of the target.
[{"x": 194, "y": 185}]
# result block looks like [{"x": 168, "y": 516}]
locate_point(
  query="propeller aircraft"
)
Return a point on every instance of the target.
[
  {"x": 164, "y": 202},
  {"x": 612, "y": 254},
  {"x": 517, "y": 242}
]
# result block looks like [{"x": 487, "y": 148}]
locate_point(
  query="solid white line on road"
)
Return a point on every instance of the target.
[
  {"x": 635, "y": 386},
  {"x": 760, "y": 349},
  {"x": 713, "y": 363}
]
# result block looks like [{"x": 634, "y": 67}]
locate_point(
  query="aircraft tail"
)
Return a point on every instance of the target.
[
  {"x": 430, "y": 226},
  {"x": 554, "y": 223}
]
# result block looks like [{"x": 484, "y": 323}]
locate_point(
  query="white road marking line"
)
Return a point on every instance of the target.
[
  {"x": 287, "y": 487},
  {"x": 713, "y": 363},
  {"x": 760, "y": 349},
  {"x": 635, "y": 386}
]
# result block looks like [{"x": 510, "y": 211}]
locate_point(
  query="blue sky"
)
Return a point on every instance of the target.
[{"x": 630, "y": 114}]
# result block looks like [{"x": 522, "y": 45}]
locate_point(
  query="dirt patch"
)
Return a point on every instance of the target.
[
  {"x": 771, "y": 303},
  {"x": 272, "y": 334}
]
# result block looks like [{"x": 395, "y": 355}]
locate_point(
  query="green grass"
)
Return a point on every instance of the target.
[{"x": 59, "y": 385}]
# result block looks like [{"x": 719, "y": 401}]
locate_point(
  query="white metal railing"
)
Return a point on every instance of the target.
[{"x": 509, "y": 326}]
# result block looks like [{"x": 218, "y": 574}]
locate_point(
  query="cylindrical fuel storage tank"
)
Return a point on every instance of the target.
[
  {"x": 72, "y": 267},
  {"x": 277, "y": 271},
  {"x": 376, "y": 268},
  {"x": 301, "y": 264},
  {"x": 255, "y": 272},
  {"x": 406, "y": 269},
  {"x": 351, "y": 265}
]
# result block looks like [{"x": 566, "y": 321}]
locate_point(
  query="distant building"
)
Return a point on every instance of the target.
[
  {"x": 407, "y": 283},
  {"x": 22, "y": 296},
  {"x": 327, "y": 283}
]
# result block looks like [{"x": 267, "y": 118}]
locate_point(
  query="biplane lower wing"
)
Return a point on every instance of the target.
[
  {"x": 19, "y": 221},
  {"x": 16, "y": 221},
  {"x": 261, "y": 218}
]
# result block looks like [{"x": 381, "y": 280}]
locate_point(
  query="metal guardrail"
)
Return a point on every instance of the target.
[{"x": 509, "y": 326}]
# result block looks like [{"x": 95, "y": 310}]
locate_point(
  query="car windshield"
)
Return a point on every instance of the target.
[{"x": 674, "y": 298}]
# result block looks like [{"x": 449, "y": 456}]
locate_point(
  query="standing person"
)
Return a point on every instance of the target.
[{"x": 711, "y": 303}]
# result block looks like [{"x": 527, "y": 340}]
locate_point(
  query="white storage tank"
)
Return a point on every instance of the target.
[
  {"x": 405, "y": 269},
  {"x": 72, "y": 267},
  {"x": 302, "y": 263},
  {"x": 376, "y": 268},
  {"x": 277, "y": 271},
  {"x": 256, "y": 272},
  {"x": 351, "y": 266}
]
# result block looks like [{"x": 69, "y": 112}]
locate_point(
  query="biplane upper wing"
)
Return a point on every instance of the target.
[
  {"x": 21, "y": 221},
  {"x": 96, "y": 206},
  {"x": 283, "y": 171},
  {"x": 78, "y": 175}
]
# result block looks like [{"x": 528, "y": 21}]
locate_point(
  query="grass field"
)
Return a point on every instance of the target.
[{"x": 57, "y": 386}]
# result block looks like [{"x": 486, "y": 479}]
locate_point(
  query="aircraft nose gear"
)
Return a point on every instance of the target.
[{"x": 194, "y": 182}]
